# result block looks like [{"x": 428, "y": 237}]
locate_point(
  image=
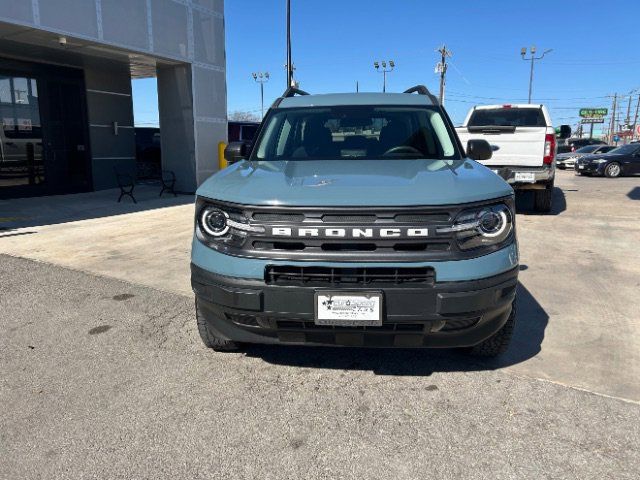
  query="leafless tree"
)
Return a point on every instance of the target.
[{"x": 243, "y": 116}]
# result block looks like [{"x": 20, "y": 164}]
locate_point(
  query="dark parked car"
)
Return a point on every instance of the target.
[
  {"x": 624, "y": 160},
  {"x": 242, "y": 131},
  {"x": 568, "y": 160},
  {"x": 573, "y": 144}
]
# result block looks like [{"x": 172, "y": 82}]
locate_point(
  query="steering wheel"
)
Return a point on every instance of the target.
[{"x": 402, "y": 149}]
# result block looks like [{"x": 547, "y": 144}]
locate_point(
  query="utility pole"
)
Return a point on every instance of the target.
[
  {"x": 635, "y": 118},
  {"x": 357, "y": 86},
  {"x": 523, "y": 53},
  {"x": 612, "y": 127},
  {"x": 627, "y": 120},
  {"x": 441, "y": 68},
  {"x": 289, "y": 61},
  {"x": 384, "y": 71},
  {"x": 261, "y": 78}
]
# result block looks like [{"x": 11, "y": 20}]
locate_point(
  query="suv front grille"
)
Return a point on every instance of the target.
[
  {"x": 290, "y": 275},
  {"x": 348, "y": 234}
]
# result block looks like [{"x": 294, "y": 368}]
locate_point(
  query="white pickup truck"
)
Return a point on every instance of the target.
[{"x": 524, "y": 145}]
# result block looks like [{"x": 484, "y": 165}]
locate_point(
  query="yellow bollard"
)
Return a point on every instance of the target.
[{"x": 222, "y": 162}]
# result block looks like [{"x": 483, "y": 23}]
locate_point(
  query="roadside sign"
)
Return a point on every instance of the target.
[
  {"x": 592, "y": 120},
  {"x": 593, "y": 112},
  {"x": 616, "y": 138},
  {"x": 638, "y": 129}
]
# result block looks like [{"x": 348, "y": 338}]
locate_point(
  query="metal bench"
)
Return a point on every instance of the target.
[
  {"x": 127, "y": 183},
  {"x": 168, "y": 179}
]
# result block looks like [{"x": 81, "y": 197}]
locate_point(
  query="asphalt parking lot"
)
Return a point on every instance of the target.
[{"x": 104, "y": 375}]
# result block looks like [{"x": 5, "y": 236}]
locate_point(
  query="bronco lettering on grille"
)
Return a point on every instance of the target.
[{"x": 406, "y": 232}]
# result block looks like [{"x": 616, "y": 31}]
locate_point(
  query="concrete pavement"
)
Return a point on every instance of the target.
[{"x": 105, "y": 379}]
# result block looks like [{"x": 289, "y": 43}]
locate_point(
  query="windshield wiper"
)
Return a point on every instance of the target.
[{"x": 450, "y": 167}]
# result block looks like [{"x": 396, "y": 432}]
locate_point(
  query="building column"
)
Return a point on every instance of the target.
[
  {"x": 177, "y": 136},
  {"x": 192, "y": 104}
]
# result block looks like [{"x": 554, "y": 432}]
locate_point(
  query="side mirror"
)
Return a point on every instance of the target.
[
  {"x": 479, "y": 150},
  {"x": 564, "y": 131},
  {"x": 236, "y": 151}
]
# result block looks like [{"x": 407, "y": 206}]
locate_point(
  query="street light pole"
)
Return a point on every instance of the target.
[
  {"x": 384, "y": 71},
  {"x": 523, "y": 53},
  {"x": 289, "y": 61},
  {"x": 261, "y": 78}
]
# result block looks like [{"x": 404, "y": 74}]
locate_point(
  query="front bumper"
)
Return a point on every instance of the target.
[
  {"x": 589, "y": 168},
  {"x": 566, "y": 163},
  {"x": 447, "y": 314}
]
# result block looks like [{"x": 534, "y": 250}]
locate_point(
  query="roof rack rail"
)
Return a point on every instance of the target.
[
  {"x": 288, "y": 93},
  {"x": 293, "y": 91},
  {"x": 422, "y": 90}
]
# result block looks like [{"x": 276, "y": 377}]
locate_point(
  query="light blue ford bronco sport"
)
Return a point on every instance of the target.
[{"x": 356, "y": 220}]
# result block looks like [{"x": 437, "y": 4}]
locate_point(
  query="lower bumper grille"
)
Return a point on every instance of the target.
[
  {"x": 329, "y": 276},
  {"x": 389, "y": 327}
]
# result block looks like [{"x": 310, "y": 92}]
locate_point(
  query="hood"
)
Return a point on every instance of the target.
[{"x": 354, "y": 183}]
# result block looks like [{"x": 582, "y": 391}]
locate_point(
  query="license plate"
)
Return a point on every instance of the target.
[
  {"x": 525, "y": 177},
  {"x": 348, "y": 309},
  {"x": 580, "y": 167}
]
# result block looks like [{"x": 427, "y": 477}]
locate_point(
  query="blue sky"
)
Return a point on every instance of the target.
[{"x": 596, "y": 51}]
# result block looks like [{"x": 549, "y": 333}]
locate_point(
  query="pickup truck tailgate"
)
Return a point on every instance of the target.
[{"x": 517, "y": 146}]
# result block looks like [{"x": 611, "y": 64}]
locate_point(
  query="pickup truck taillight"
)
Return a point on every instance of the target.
[{"x": 549, "y": 148}]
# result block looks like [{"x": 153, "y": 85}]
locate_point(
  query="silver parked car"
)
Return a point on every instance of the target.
[{"x": 568, "y": 160}]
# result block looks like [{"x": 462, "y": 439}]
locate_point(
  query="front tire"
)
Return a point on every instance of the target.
[
  {"x": 543, "y": 199},
  {"x": 613, "y": 170},
  {"x": 209, "y": 339},
  {"x": 499, "y": 342}
]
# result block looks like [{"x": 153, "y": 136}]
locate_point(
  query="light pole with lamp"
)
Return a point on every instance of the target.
[
  {"x": 523, "y": 53},
  {"x": 261, "y": 78},
  {"x": 384, "y": 71}
]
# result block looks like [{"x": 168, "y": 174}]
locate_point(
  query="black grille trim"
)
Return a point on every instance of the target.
[{"x": 293, "y": 275}]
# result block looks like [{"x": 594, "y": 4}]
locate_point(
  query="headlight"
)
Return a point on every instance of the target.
[
  {"x": 482, "y": 226},
  {"x": 213, "y": 221},
  {"x": 219, "y": 226}
]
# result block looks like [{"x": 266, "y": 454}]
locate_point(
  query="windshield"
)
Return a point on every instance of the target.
[
  {"x": 507, "y": 117},
  {"x": 588, "y": 149},
  {"x": 625, "y": 149},
  {"x": 355, "y": 132}
]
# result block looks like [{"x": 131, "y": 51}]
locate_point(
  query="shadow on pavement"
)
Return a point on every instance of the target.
[
  {"x": 50, "y": 210},
  {"x": 528, "y": 336},
  {"x": 634, "y": 193},
  {"x": 524, "y": 203}
]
